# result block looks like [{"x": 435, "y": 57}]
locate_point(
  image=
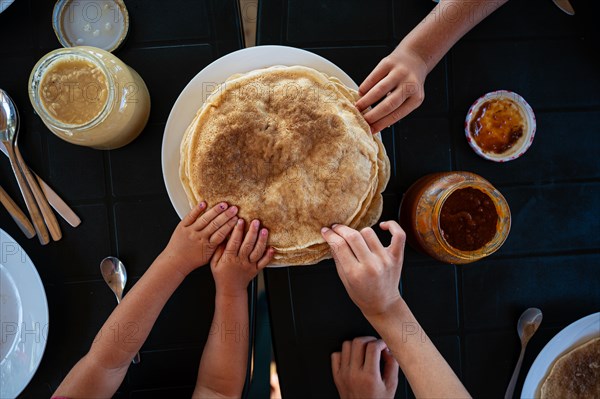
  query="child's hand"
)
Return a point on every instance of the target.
[
  {"x": 198, "y": 235},
  {"x": 369, "y": 271},
  {"x": 398, "y": 80},
  {"x": 234, "y": 265},
  {"x": 357, "y": 370}
]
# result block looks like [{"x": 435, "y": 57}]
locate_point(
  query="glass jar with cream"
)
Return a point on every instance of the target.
[
  {"x": 454, "y": 217},
  {"x": 89, "y": 97}
]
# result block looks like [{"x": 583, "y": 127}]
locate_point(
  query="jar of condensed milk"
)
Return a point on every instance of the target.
[
  {"x": 454, "y": 217},
  {"x": 89, "y": 97}
]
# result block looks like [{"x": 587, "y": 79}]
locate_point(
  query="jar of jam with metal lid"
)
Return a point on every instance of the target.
[{"x": 454, "y": 217}]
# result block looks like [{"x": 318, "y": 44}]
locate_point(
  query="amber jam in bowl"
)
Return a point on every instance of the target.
[
  {"x": 500, "y": 126},
  {"x": 454, "y": 217}
]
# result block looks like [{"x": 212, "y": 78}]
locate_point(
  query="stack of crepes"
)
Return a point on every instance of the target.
[
  {"x": 575, "y": 374},
  {"x": 289, "y": 148}
]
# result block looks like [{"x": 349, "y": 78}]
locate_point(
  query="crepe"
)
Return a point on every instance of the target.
[
  {"x": 288, "y": 147},
  {"x": 576, "y": 374}
]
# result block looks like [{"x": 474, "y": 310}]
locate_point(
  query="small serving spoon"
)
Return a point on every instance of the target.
[
  {"x": 114, "y": 273},
  {"x": 40, "y": 198},
  {"x": 10, "y": 124},
  {"x": 527, "y": 325}
]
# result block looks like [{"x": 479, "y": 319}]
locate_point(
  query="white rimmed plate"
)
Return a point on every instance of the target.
[
  {"x": 192, "y": 97},
  {"x": 4, "y": 4},
  {"x": 574, "y": 334},
  {"x": 23, "y": 318},
  {"x": 521, "y": 145}
]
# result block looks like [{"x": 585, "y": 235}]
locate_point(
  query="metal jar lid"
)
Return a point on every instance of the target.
[{"x": 103, "y": 23}]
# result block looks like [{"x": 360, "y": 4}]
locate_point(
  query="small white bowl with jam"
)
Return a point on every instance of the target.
[{"x": 500, "y": 126}]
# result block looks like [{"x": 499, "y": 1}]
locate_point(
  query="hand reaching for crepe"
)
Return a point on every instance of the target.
[
  {"x": 369, "y": 271},
  {"x": 371, "y": 274},
  {"x": 236, "y": 263},
  {"x": 399, "y": 80},
  {"x": 199, "y": 234}
]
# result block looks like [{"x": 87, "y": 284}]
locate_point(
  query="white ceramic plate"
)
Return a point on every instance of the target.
[
  {"x": 23, "y": 318},
  {"x": 4, "y": 4},
  {"x": 574, "y": 334},
  {"x": 194, "y": 94}
]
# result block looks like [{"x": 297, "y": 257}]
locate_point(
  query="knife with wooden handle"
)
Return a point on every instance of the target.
[
  {"x": 565, "y": 6},
  {"x": 57, "y": 203},
  {"x": 32, "y": 207},
  {"x": 17, "y": 214},
  {"x": 40, "y": 198}
]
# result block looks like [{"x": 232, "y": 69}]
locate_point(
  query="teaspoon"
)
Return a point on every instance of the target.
[
  {"x": 38, "y": 195},
  {"x": 114, "y": 273},
  {"x": 10, "y": 124},
  {"x": 527, "y": 325}
]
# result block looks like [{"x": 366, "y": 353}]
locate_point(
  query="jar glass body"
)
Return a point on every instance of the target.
[
  {"x": 123, "y": 116},
  {"x": 421, "y": 208}
]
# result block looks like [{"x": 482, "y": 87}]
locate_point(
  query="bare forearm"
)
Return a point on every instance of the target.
[
  {"x": 101, "y": 371},
  {"x": 223, "y": 364},
  {"x": 445, "y": 25},
  {"x": 428, "y": 374},
  {"x": 130, "y": 324}
]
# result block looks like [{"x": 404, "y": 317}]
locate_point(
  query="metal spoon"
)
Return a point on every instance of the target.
[
  {"x": 10, "y": 124},
  {"x": 40, "y": 198},
  {"x": 114, "y": 273},
  {"x": 527, "y": 325}
]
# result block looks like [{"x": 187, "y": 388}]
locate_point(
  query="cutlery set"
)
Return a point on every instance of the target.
[{"x": 37, "y": 194}]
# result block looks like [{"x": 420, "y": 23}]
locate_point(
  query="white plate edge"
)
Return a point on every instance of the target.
[
  {"x": 172, "y": 156},
  {"x": 563, "y": 342},
  {"x": 45, "y": 316}
]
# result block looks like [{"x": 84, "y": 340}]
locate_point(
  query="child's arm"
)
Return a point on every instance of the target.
[
  {"x": 100, "y": 372},
  {"x": 398, "y": 80},
  {"x": 371, "y": 274},
  {"x": 223, "y": 365}
]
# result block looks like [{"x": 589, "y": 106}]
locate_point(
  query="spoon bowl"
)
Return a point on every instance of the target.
[
  {"x": 527, "y": 325},
  {"x": 13, "y": 117},
  {"x": 9, "y": 126},
  {"x": 9, "y": 117},
  {"x": 114, "y": 273}
]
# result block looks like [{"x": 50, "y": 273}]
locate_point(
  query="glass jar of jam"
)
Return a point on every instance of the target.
[
  {"x": 89, "y": 97},
  {"x": 454, "y": 217}
]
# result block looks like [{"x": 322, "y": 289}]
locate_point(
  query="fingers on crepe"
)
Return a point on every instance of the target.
[
  {"x": 250, "y": 249},
  {"x": 191, "y": 217},
  {"x": 349, "y": 245},
  {"x": 215, "y": 223},
  {"x": 398, "y": 88}
]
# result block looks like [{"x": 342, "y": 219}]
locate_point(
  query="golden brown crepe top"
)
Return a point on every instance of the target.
[
  {"x": 288, "y": 147},
  {"x": 576, "y": 374}
]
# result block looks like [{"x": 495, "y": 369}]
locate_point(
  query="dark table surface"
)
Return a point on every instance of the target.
[
  {"x": 550, "y": 260},
  {"x": 119, "y": 195}
]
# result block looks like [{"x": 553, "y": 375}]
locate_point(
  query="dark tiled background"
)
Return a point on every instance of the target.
[
  {"x": 119, "y": 195},
  {"x": 551, "y": 258}
]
